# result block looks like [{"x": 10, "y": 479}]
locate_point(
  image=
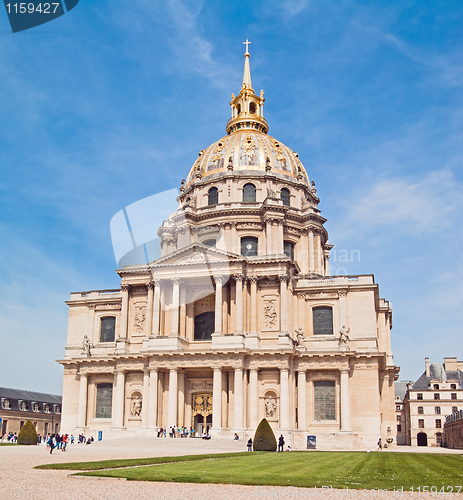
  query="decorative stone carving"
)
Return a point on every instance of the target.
[
  {"x": 140, "y": 316},
  {"x": 217, "y": 154},
  {"x": 105, "y": 307},
  {"x": 249, "y": 147},
  {"x": 86, "y": 345},
  {"x": 298, "y": 343},
  {"x": 135, "y": 409},
  {"x": 125, "y": 288},
  {"x": 278, "y": 151},
  {"x": 321, "y": 295},
  {"x": 270, "y": 313},
  {"x": 270, "y": 407},
  {"x": 344, "y": 340}
]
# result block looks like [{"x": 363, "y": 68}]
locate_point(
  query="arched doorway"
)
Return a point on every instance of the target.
[{"x": 422, "y": 439}]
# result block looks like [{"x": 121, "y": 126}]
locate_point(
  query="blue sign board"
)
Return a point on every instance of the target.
[
  {"x": 311, "y": 442},
  {"x": 100, "y": 435}
]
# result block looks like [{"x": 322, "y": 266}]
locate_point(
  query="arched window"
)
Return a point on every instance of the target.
[
  {"x": 322, "y": 320},
  {"x": 249, "y": 193},
  {"x": 213, "y": 196},
  {"x": 204, "y": 326},
  {"x": 108, "y": 329},
  {"x": 289, "y": 249},
  {"x": 248, "y": 246},
  {"x": 252, "y": 108},
  {"x": 285, "y": 197},
  {"x": 238, "y": 108}
]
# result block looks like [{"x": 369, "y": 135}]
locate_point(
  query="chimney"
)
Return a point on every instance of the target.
[
  {"x": 426, "y": 361},
  {"x": 451, "y": 364}
]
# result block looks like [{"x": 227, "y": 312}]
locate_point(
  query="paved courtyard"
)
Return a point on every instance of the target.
[{"x": 20, "y": 481}]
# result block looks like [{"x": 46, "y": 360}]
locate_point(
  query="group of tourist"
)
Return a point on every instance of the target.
[
  {"x": 10, "y": 437},
  {"x": 176, "y": 432}
]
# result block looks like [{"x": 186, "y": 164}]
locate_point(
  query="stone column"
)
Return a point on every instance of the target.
[
  {"x": 284, "y": 399},
  {"x": 217, "y": 400},
  {"x": 269, "y": 236},
  {"x": 119, "y": 377},
  {"x": 327, "y": 262},
  {"x": 280, "y": 247},
  {"x": 182, "y": 327},
  {"x": 224, "y": 399},
  {"x": 175, "y": 306},
  {"x": 302, "y": 400},
  {"x": 149, "y": 310},
  {"x": 318, "y": 249},
  {"x": 239, "y": 304},
  {"x": 173, "y": 398},
  {"x": 124, "y": 311},
  {"x": 283, "y": 304},
  {"x": 190, "y": 310},
  {"x": 156, "y": 308},
  {"x": 82, "y": 403},
  {"x": 181, "y": 399},
  {"x": 345, "y": 402},
  {"x": 253, "y": 398},
  {"x": 153, "y": 398},
  {"x": 233, "y": 238},
  {"x": 253, "y": 281},
  {"x": 238, "y": 401},
  {"x": 145, "y": 398},
  {"x": 218, "y": 304},
  {"x": 342, "y": 308},
  {"x": 311, "y": 253}
]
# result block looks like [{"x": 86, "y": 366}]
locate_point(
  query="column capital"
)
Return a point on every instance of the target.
[
  {"x": 344, "y": 371},
  {"x": 342, "y": 293},
  {"x": 219, "y": 279},
  {"x": 238, "y": 277},
  {"x": 150, "y": 285},
  {"x": 119, "y": 371},
  {"x": 253, "y": 279},
  {"x": 125, "y": 288},
  {"x": 176, "y": 281},
  {"x": 157, "y": 282},
  {"x": 283, "y": 277}
]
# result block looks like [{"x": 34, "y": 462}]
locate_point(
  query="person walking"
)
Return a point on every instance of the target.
[
  {"x": 380, "y": 445},
  {"x": 249, "y": 444},
  {"x": 281, "y": 443}
]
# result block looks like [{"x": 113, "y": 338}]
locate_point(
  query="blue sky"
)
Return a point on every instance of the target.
[{"x": 112, "y": 102}]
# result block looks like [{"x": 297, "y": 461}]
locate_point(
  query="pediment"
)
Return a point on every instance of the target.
[{"x": 196, "y": 254}]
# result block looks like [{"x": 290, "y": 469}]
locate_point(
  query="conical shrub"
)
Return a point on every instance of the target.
[
  {"x": 27, "y": 435},
  {"x": 264, "y": 438}
]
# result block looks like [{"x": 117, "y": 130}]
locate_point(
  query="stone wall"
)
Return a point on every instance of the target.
[{"x": 453, "y": 434}]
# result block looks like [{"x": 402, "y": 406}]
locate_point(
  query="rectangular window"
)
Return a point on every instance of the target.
[
  {"x": 435, "y": 386},
  {"x": 108, "y": 329},
  {"x": 421, "y": 423},
  {"x": 399, "y": 428},
  {"x": 454, "y": 409},
  {"x": 436, "y": 395},
  {"x": 397, "y": 407},
  {"x": 420, "y": 410},
  {"x": 454, "y": 395},
  {"x": 104, "y": 399},
  {"x": 419, "y": 396},
  {"x": 437, "y": 410},
  {"x": 438, "y": 423},
  {"x": 398, "y": 418},
  {"x": 21, "y": 424},
  {"x": 45, "y": 428},
  {"x": 324, "y": 400},
  {"x": 322, "y": 320},
  {"x": 453, "y": 386}
]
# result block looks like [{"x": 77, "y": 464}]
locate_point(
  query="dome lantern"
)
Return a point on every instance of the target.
[{"x": 247, "y": 108}]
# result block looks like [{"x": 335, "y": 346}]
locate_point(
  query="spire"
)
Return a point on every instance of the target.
[
  {"x": 247, "y": 108},
  {"x": 247, "y": 70}
]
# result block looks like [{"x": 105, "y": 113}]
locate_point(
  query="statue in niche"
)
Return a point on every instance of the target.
[
  {"x": 135, "y": 411},
  {"x": 344, "y": 339},
  {"x": 86, "y": 345},
  {"x": 270, "y": 407}
]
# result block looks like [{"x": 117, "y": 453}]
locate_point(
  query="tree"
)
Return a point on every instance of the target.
[
  {"x": 27, "y": 435},
  {"x": 264, "y": 438}
]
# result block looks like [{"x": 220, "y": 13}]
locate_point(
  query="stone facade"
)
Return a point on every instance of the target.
[
  {"x": 435, "y": 395},
  {"x": 16, "y": 407},
  {"x": 239, "y": 318}
]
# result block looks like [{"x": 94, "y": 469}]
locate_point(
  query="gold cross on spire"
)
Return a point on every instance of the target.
[{"x": 247, "y": 43}]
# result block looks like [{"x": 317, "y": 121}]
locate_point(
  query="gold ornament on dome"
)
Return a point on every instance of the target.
[
  {"x": 216, "y": 155},
  {"x": 249, "y": 147},
  {"x": 278, "y": 151}
]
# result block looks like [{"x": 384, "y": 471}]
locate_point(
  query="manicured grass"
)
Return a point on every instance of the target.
[
  {"x": 133, "y": 462},
  {"x": 8, "y": 444},
  {"x": 354, "y": 470}
]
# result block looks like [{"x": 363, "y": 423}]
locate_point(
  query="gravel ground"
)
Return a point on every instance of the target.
[{"x": 20, "y": 481}]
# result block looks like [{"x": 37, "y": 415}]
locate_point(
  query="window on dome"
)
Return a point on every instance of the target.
[
  {"x": 285, "y": 197},
  {"x": 238, "y": 108},
  {"x": 213, "y": 196},
  {"x": 209, "y": 243},
  {"x": 252, "y": 108},
  {"x": 204, "y": 325},
  {"x": 248, "y": 246},
  {"x": 249, "y": 193},
  {"x": 289, "y": 249},
  {"x": 322, "y": 320},
  {"x": 108, "y": 329}
]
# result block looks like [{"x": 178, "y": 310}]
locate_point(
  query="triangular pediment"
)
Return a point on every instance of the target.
[{"x": 196, "y": 254}]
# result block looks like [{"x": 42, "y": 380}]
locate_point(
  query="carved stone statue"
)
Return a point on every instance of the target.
[
  {"x": 298, "y": 343},
  {"x": 270, "y": 407},
  {"x": 344, "y": 339},
  {"x": 135, "y": 411},
  {"x": 262, "y": 94},
  {"x": 86, "y": 345}
]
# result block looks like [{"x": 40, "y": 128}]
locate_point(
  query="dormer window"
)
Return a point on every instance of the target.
[
  {"x": 35, "y": 407},
  {"x": 22, "y": 405}
]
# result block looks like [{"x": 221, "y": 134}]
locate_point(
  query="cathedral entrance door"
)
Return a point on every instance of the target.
[{"x": 202, "y": 413}]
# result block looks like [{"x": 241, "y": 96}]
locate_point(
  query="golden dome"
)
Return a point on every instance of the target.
[{"x": 247, "y": 150}]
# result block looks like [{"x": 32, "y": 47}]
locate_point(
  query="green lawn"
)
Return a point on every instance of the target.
[
  {"x": 355, "y": 470},
  {"x": 8, "y": 444}
]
